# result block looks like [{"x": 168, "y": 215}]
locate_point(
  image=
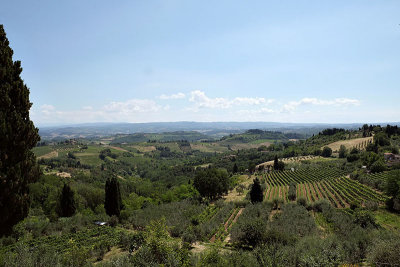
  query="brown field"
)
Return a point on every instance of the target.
[
  {"x": 349, "y": 144},
  {"x": 144, "y": 149},
  {"x": 52, "y": 154}
]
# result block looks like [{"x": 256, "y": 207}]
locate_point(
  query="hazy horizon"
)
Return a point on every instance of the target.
[{"x": 162, "y": 61}]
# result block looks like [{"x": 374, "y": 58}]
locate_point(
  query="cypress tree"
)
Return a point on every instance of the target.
[
  {"x": 67, "y": 202},
  {"x": 18, "y": 136},
  {"x": 235, "y": 168},
  {"x": 113, "y": 201},
  {"x": 256, "y": 193},
  {"x": 276, "y": 163}
]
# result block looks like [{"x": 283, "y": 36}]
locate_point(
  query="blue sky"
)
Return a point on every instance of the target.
[{"x": 142, "y": 61}]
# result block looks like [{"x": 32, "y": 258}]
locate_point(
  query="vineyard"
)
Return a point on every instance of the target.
[
  {"x": 320, "y": 184},
  {"x": 301, "y": 176}
]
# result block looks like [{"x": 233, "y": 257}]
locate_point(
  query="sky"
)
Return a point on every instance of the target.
[{"x": 153, "y": 61}]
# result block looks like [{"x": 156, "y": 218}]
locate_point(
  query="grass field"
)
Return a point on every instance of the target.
[
  {"x": 387, "y": 219},
  {"x": 42, "y": 150}
]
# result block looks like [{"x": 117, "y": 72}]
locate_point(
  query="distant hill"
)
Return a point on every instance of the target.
[
  {"x": 213, "y": 129},
  {"x": 160, "y": 137}
]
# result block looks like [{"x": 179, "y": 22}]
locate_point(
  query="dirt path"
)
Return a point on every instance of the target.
[{"x": 238, "y": 214}]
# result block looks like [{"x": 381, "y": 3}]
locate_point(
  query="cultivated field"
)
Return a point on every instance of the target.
[
  {"x": 320, "y": 184},
  {"x": 359, "y": 143}
]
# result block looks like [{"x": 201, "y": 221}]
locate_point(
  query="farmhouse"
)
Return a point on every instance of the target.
[{"x": 391, "y": 158}]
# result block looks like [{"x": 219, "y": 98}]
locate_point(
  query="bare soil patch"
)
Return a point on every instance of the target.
[
  {"x": 52, "y": 154},
  {"x": 64, "y": 174}
]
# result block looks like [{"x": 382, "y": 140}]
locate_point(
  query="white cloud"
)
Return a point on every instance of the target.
[
  {"x": 132, "y": 106},
  {"x": 201, "y": 100},
  {"x": 47, "y": 109},
  {"x": 173, "y": 96},
  {"x": 293, "y": 105}
]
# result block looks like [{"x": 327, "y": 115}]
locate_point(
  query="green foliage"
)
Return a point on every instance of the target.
[
  {"x": 212, "y": 183},
  {"x": 342, "y": 152},
  {"x": 326, "y": 152},
  {"x": 378, "y": 166},
  {"x": 364, "y": 218},
  {"x": 212, "y": 257},
  {"x": 178, "y": 215},
  {"x": 160, "y": 248},
  {"x": 313, "y": 251},
  {"x": 18, "y": 166},
  {"x": 251, "y": 227},
  {"x": 393, "y": 191},
  {"x": 381, "y": 139},
  {"x": 292, "y": 192},
  {"x": 385, "y": 252},
  {"x": 294, "y": 220}
]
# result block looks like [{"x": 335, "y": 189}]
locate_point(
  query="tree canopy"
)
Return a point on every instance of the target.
[
  {"x": 18, "y": 134},
  {"x": 212, "y": 183}
]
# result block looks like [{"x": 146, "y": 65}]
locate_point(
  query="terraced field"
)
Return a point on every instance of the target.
[
  {"x": 359, "y": 143},
  {"x": 320, "y": 184}
]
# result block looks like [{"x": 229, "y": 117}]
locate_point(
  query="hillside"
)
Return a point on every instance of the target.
[{"x": 312, "y": 201}]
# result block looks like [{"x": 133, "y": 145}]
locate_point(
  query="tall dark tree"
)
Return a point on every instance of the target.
[
  {"x": 18, "y": 136},
  {"x": 67, "y": 202},
  {"x": 276, "y": 163},
  {"x": 113, "y": 201},
  {"x": 235, "y": 168},
  {"x": 256, "y": 193}
]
